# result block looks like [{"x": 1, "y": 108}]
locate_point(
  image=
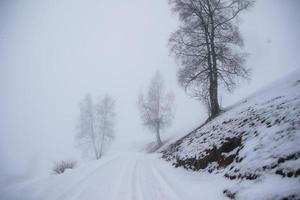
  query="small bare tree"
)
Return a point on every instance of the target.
[
  {"x": 86, "y": 134},
  {"x": 207, "y": 45},
  {"x": 157, "y": 108},
  {"x": 105, "y": 117},
  {"x": 96, "y": 125}
]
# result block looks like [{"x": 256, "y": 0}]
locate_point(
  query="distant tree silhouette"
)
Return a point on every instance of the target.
[
  {"x": 96, "y": 124},
  {"x": 157, "y": 108}
]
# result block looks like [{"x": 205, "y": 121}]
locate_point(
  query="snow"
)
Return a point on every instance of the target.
[
  {"x": 268, "y": 123},
  {"x": 273, "y": 187},
  {"x": 121, "y": 176},
  {"x": 260, "y": 106}
]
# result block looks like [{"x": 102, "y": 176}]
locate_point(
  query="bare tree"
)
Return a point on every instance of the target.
[
  {"x": 105, "y": 117},
  {"x": 86, "y": 135},
  {"x": 96, "y": 125},
  {"x": 208, "y": 45},
  {"x": 157, "y": 108}
]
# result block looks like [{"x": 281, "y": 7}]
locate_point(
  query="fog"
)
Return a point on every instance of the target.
[{"x": 52, "y": 53}]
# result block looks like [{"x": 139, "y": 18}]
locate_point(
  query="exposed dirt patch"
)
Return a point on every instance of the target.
[
  {"x": 229, "y": 194},
  {"x": 291, "y": 197},
  {"x": 215, "y": 154}
]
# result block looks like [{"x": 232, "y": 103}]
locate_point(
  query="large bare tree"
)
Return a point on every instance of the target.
[
  {"x": 207, "y": 45},
  {"x": 157, "y": 107}
]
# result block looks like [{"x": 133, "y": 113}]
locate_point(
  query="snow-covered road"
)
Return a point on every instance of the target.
[{"x": 126, "y": 176}]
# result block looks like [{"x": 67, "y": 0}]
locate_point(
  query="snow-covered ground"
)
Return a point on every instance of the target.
[
  {"x": 121, "y": 176},
  {"x": 140, "y": 176},
  {"x": 249, "y": 152}
]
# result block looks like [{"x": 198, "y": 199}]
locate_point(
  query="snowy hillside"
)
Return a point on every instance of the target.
[{"x": 256, "y": 142}]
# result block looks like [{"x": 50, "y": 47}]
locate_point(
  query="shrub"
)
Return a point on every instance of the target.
[{"x": 61, "y": 166}]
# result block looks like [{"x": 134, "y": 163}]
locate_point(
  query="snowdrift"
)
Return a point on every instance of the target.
[{"x": 257, "y": 137}]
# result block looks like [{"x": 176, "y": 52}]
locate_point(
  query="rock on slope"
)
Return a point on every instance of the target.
[{"x": 257, "y": 137}]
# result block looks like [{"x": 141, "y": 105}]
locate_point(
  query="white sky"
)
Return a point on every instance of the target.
[{"x": 53, "y": 52}]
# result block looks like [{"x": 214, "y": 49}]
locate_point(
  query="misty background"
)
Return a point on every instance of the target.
[{"x": 52, "y": 53}]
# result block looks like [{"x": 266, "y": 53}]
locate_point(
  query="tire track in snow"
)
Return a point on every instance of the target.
[
  {"x": 135, "y": 181},
  {"x": 151, "y": 184},
  {"x": 83, "y": 179},
  {"x": 126, "y": 183},
  {"x": 150, "y": 188},
  {"x": 167, "y": 188}
]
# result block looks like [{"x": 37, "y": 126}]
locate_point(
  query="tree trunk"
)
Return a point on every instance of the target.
[
  {"x": 102, "y": 143},
  {"x": 94, "y": 139},
  {"x": 215, "y": 107},
  {"x": 213, "y": 95},
  {"x": 158, "y": 140},
  {"x": 212, "y": 65}
]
